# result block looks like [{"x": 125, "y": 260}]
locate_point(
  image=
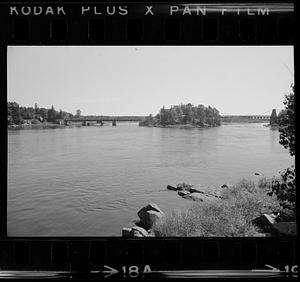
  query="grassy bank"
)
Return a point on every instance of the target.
[{"x": 230, "y": 216}]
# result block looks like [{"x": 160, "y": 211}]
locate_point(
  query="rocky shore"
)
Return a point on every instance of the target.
[
  {"x": 198, "y": 193},
  {"x": 151, "y": 215}
]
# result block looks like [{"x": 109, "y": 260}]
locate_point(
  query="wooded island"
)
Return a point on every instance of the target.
[{"x": 184, "y": 115}]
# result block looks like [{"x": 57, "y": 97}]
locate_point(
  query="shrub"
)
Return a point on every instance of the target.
[
  {"x": 285, "y": 190},
  {"x": 35, "y": 121}
]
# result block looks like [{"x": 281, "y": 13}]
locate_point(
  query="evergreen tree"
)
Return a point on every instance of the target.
[{"x": 273, "y": 118}]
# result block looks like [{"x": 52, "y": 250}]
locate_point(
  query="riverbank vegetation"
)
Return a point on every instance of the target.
[
  {"x": 230, "y": 215},
  {"x": 197, "y": 116}
]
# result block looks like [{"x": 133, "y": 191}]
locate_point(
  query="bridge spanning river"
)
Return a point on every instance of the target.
[
  {"x": 245, "y": 118},
  {"x": 87, "y": 121},
  {"x": 101, "y": 119}
]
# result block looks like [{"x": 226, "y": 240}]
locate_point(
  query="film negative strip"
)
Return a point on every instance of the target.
[
  {"x": 58, "y": 218},
  {"x": 156, "y": 23}
]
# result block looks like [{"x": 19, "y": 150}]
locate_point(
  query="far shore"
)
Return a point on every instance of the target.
[
  {"x": 36, "y": 126},
  {"x": 50, "y": 125},
  {"x": 176, "y": 126}
]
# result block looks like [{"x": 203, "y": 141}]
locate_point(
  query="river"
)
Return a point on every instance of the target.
[{"x": 91, "y": 181}]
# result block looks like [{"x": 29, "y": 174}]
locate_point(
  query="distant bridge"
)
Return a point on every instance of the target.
[
  {"x": 86, "y": 121},
  {"x": 245, "y": 118},
  {"x": 99, "y": 120}
]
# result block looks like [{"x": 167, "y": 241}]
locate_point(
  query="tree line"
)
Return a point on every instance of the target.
[
  {"x": 17, "y": 114},
  {"x": 185, "y": 114}
]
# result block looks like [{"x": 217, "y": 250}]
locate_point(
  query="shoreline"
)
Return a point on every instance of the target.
[
  {"x": 36, "y": 126},
  {"x": 178, "y": 126}
]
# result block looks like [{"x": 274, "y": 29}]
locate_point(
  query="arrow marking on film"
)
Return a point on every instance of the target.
[
  {"x": 110, "y": 271},
  {"x": 271, "y": 269}
]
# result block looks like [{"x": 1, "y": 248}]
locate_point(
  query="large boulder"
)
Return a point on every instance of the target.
[
  {"x": 155, "y": 217},
  {"x": 284, "y": 229},
  {"x": 126, "y": 232},
  {"x": 149, "y": 215},
  {"x": 135, "y": 234},
  {"x": 137, "y": 231},
  {"x": 265, "y": 222}
]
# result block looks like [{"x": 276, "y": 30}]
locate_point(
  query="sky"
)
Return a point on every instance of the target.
[{"x": 139, "y": 80}]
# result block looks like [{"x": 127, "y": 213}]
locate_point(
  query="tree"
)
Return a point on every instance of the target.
[
  {"x": 52, "y": 114},
  {"x": 285, "y": 187},
  {"x": 163, "y": 116},
  {"x": 287, "y": 124},
  {"x": 78, "y": 113},
  {"x": 61, "y": 114},
  {"x": 36, "y": 109},
  {"x": 15, "y": 113},
  {"x": 273, "y": 118},
  {"x": 44, "y": 113}
]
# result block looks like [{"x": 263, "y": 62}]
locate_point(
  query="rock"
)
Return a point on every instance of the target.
[
  {"x": 215, "y": 193},
  {"x": 151, "y": 235},
  {"x": 195, "y": 190},
  {"x": 173, "y": 188},
  {"x": 286, "y": 229},
  {"x": 126, "y": 232},
  {"x": 184, "y": 186},
  {"x": 140, "y": 230},
  {"x": 196, "y": 196},
  {"x": 265, "y": 222},
  {"x": 149, "y": 207},
  {"x": 154, "y": 217},
  {"x": 149, "y": 214},
  {"x": 183, "y": 193},
  {"x": 135, "y": 233},
  {"x": 180, "y": 188}
]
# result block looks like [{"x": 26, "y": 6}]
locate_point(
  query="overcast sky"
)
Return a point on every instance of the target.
[{"x": 138, "y": 80}]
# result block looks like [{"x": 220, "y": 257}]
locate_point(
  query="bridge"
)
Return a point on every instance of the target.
[
  {"x": 87, "y": 121},
  {"x": 245, "y": 118}
]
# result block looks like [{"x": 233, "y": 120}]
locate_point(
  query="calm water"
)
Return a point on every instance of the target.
[{"x": 92, "y": 181}]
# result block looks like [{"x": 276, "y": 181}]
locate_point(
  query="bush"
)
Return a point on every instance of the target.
[
  {"x": 229, "y": 217},
  {"x": 285, "y": 190},
  {"x": 35, "y": 121}
]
